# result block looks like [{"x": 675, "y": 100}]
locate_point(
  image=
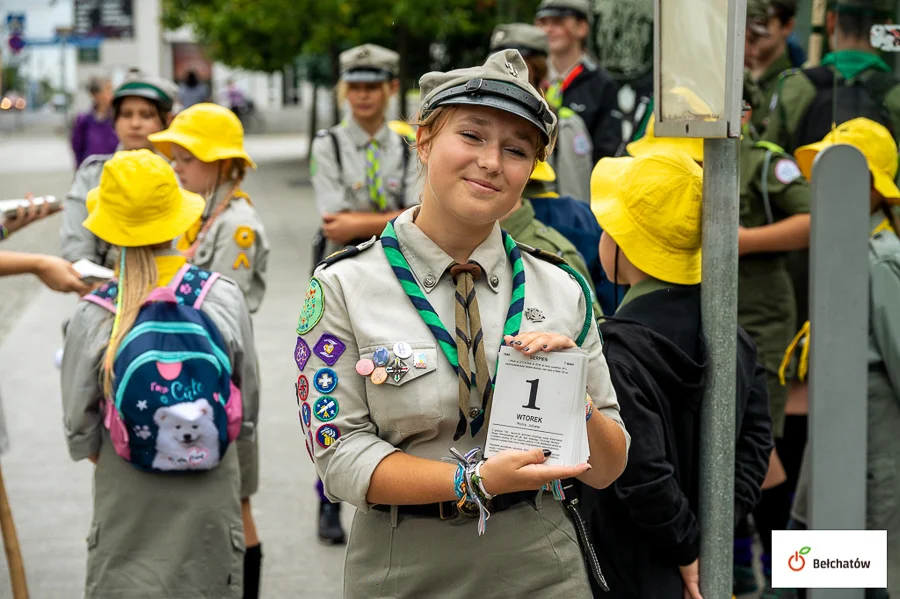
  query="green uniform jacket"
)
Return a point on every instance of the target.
[
  {"x": 768, "y": 83},
  {"x": 794, "y": 95},
  {"x": 525, "y": 228},
  {"x": 766, "y": 303}
]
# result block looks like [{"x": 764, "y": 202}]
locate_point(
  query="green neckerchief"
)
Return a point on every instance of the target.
[
  {"x": 851, "y": 63},
  {"x": 648, "y": 285},
  {"x": 518, "y": 221}
]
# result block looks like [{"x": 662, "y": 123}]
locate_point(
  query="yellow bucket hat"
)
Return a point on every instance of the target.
[
  {"x": 139, "y": 202},
  {"x": 651, "y": 206},
  {"x": 649, "y": 144},
  {"x": 876, "y": 144},
  {"x": 208, "y": 131},
  {"x": 543, "y": 172}
]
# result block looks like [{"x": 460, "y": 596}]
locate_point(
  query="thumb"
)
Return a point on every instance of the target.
[{"x": 534, "y": 456}]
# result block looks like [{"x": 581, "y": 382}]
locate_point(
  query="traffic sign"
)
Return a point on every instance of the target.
[
  {"x": 16, "y": 43},
  {"x": 15, "y": 22}
]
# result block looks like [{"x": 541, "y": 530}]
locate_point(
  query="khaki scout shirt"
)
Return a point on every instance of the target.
[
  {"x": 343, "y": 188},
  {"x": 572, "y": 159},
  {"x": 884, "y": 315},
  {"x": 766, "y": 302},
  {"x": 76, "y": 242},
  {"x": 235, "y": 245},
  {"x": 768, "y": 82},
  {"x": 365, "y": 308}
]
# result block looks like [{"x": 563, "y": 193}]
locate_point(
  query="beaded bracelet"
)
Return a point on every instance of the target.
[
  {"x": 465, "y": 484},
  {"x": 588, "y": 409},
  {"x": 4, "y": 232}
]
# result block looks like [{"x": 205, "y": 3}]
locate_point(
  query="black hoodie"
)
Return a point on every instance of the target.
[{"x": 645, "y": 525}]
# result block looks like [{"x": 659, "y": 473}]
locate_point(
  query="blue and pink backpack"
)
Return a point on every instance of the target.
[{"x": 174, "y": 405}]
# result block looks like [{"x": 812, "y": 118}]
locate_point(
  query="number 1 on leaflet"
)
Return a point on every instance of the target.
[{"x": 532, "y": 398}]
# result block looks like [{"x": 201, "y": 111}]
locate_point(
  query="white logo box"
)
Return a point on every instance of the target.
[{"x": 829, "y": 559}]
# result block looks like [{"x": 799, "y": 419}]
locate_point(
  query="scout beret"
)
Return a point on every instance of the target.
[
  {"x": 157, "y": 90},
  {"x": 527, "y": 39},
  {"x": 580, "y": 9},
  {"x": 501, "y": 83},
  {"x": 369, "y": 63}
]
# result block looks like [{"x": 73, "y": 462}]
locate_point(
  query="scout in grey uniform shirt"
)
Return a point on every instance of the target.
[
  {"x": 76, "y": 241},
  {"x": 571, "y": 159},
  {"x": 127, "y": 501},
  {"x": 340, "y": 157},
  {"x": 357, "y": 310}
]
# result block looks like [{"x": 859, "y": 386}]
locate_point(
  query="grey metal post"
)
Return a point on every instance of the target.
[
  {"x": 717, "y": 416},
  {"x": 839, "y": 313}
]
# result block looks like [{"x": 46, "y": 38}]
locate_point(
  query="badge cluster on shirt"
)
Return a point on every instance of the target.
[{"x": 380, "y": 367}]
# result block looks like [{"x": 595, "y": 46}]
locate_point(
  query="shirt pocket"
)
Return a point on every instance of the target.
[{"x": 407, "y": 402}]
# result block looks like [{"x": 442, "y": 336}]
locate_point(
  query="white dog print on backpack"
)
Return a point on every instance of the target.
[{"x": 187, "y": 438}]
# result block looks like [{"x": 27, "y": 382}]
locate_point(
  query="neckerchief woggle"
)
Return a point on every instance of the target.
[{"x": 445, "y": 340}]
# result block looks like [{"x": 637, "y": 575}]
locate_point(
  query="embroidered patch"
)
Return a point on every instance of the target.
[
  {"x": 534, "y": 315},
  {"x": 313, "y": 307},
  {"x": 786, "y": 170},
  {"x": 306, "y": 414},
  {"x": 326, "y": 408},
  {"x": 242, "y": 261},
  {"x": 325, "y": 380},
  {"x": 327, "y": 435},
  {"x": 302, "y": 388},
  {"x": 580, "y": 145},
  {"x": 244, "y": 236},
  {"x": 329, "y": 348},
  {"x": 301, "y": 353}
]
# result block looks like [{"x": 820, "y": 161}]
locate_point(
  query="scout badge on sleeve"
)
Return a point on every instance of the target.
[
  {"x": 786, "y": 171},
  {"x": 305, "y": 414},
  {"x": 302, "y": 389},
  {"x": 313, "y": 307},
  {"x": 301, "y": 353},
  {"x": 325, "y": 380},
  {"x": 327, "y": 435},
  {"x": 329, "y": 348},
  {"x": 326, "y": 408}
]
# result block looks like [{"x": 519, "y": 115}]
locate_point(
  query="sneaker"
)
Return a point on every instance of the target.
[
  {"x": 744, "y": 582},
  {"x": 330, "y": 529}
]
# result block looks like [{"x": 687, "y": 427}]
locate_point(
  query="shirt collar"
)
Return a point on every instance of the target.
[
  {"x": 429, "y": 263},
  {"x": 361, "y": 138},
  {"x": 553, "y": 75},
  {"x": 644, "y": 287}
]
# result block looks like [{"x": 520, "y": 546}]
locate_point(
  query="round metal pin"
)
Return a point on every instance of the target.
[
  {"x": 365, "y": 367},
  {"x": 381, "y": 356},
  {"x": 379, "y": 375},
  {"x": 402, "y": 350}
]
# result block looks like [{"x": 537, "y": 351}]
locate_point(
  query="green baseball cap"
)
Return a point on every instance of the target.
[
  {"x": 159, "y": 91},
  {"x": 758, "y": 17},
  {"x": 527, "y": 39},
  {"x": 500, "y": 83}
]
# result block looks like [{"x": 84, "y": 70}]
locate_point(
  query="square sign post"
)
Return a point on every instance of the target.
[{"x": 698, "y": 53}]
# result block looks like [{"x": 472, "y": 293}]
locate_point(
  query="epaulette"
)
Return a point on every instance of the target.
[
  {"x": 772, "y": 147},
  {"x": 347, "y": 252},
  {"x": 542, "y": 254}
]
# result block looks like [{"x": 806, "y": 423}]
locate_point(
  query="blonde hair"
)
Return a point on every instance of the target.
[
  {"x": 140, "y": 278},
  {"x": 432, "y": 124},
  {"x": 343, "y": 89}
]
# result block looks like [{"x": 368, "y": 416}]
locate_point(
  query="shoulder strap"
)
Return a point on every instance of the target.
[
  {"x": 104, "y": 296},
  {"x": 878, "y": 84},
  {"x": 820, "y": 77},
  {"x": 764, "y": 184},
  {"x": 337, "y": 154},
  {"x": 347, "y": 252},
  {"x": 585, "y": 289},
  {"x": 192, "y": 284},
  {"x": 407, "y": 150}
]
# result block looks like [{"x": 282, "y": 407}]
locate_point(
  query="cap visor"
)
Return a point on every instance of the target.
[
  {"x": 116, "y": 232},
  {"x": 365, "y": 76},
  {"x": 886, "y": 186},
  {"x": 559, "y": 12},
  {"x": 147, "y": 94},
  {"x": 500, "y": 103}
]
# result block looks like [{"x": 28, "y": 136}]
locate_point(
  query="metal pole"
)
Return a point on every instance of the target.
[
  {"x": 717, "y": 415},
  {"x": 839, "y": 284}
]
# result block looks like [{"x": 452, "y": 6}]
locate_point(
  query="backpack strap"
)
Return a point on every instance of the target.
[
  {"x": 764, "y": 176},
  {"x": 104, "y": 296},
  {"x": 337, "y": 153},
  {"x": 820, "y": 77},
  {"x": 192, "y": 284}
]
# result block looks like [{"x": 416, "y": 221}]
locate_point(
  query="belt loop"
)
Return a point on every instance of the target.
[{"x": 395, "y": 516}]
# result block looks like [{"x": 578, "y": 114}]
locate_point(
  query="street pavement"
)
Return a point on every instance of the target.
[{"x": 50, "y": 495}]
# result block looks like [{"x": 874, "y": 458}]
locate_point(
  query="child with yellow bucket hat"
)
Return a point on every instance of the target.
[
  {"x": 877, "y": 145},
  {"x": 648, "y": 532},
  {"x": 157, "y": 420},
  {"x": 206, "y": 146}
]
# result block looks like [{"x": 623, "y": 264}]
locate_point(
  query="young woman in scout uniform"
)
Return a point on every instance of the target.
[
  {"x": 646, "y": 523},
  {"x": 206, "y": 146},
  {"x": 141, "y": 106},
  {"x": 154, "y": 534},
  {"x": 875, "y": 143},
  {"x": 383, "y": 400},
  {"x": 571, "y": 159},
  {"x": 362, "y": 172}
]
